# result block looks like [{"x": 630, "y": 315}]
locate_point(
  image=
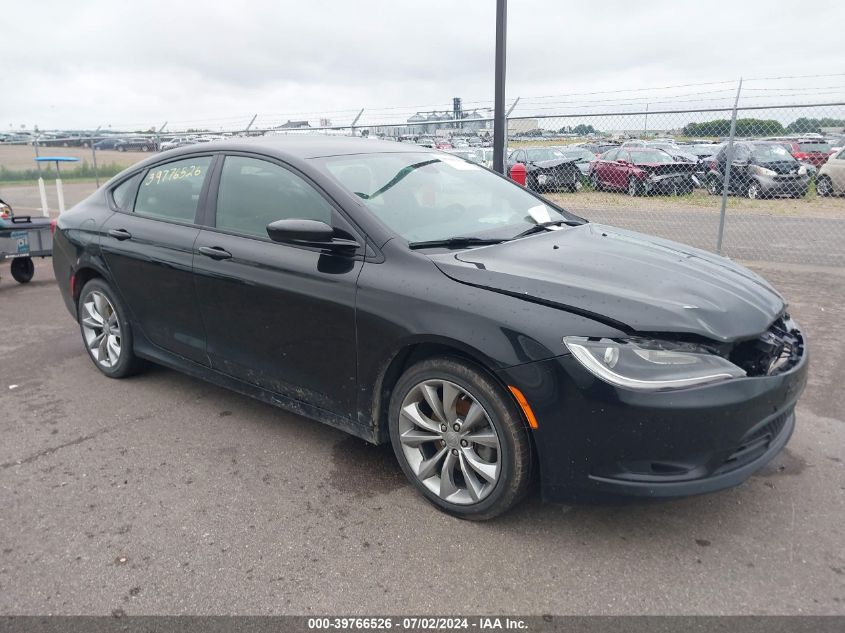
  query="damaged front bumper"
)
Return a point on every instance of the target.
[{"x": 601, "y": 443}]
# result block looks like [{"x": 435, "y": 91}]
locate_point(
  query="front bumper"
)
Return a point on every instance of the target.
[
  {"x": 599, "y": 443},
  {"x": 787, "y": 185}
]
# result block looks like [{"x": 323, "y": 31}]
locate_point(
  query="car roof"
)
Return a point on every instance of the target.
[{"x": 301, "y": 146}]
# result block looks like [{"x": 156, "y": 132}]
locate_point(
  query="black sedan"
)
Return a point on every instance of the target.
[
  {"x": 405, "y": 295},
  {"x": 547, "y": 169}
]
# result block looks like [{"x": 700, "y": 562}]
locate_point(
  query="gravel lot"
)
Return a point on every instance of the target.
[{"x": 161, "y": 494}]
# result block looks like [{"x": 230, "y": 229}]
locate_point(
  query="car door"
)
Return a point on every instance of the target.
[
  {"x": 605, "y": 166},
  {"x": 277, "y": 316},
  {"x": 148, "y": 246},
  {"x": 835, "y": 168},
  {"x": 617, "y": 170}
]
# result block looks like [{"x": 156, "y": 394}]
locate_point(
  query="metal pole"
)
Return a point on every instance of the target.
[
  {"x": 60, "y": 194},
  {"x": 158, "y": 134},
  {"x": 358, "y": 116},
  {"x": 94, "y": 156},
  {"x": 500, "y": 131},
  {"x": 42, "y": 190},
  {"x": 645, "y": 123},
  {"x": 507, "y": 114},
  {"x": 246, "y": 130},
  {"x": 729, "y": 158}
]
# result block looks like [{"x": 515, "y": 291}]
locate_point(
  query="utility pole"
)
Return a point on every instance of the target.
[
  {"x": 500, "y": 123},
  {"x": 726, "y": 185}
]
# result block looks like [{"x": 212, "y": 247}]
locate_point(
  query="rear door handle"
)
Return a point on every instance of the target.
[
  {"x": 214, "y": 252},
  {"x": 120, "y": 234}
]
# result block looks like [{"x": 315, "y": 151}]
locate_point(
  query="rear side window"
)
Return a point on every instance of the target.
[
  {"x": 253, "y": 193},
  {"x": 124, "y": 194},
  {"x": 172, "y": 191}
]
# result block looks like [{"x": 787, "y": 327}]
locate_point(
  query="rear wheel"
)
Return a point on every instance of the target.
[
  {"x": 753, "y": 190},
  {"x": 595, "y": 182},
  {"x": 460, "y": 438},
  {"x": 824, "y": 187},
  {"x": 633, "y": 187},
  {"x": 575, "y": 183},
  {"x": 22, "y": 269},
  {"x": 106, "y": 331}
]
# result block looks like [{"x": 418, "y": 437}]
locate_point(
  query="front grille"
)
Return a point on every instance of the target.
[
  {"x": 755, "y": 443},
  {"x": 776, "y": 350}
]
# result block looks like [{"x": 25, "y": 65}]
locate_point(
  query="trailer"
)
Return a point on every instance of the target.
[{"x": 23, "y": 237}]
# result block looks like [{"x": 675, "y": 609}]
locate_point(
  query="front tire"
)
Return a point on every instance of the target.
[
  {"x": 633, "y": 187},
  {"x": 753, "y": 192},
  {"x": 824, "y": 187},
  {"x": 106, "y": 330},
  {"x": 460, "y": 438}
]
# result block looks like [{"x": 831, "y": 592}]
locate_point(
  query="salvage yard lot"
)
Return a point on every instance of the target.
[{"x": 163, "y": 494}]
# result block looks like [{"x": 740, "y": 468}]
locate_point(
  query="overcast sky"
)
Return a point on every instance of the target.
[{"x": 75, "y": 64}]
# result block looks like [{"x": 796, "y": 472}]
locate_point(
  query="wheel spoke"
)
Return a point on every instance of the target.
[
  {"x": 485, "y": 437},
  {"x": 485, "y": 469},
  {"x": 474, "y": 486},
  {"x": 416, "y": 437},
  {"x": 450, "y": 397},
  {"x": 473, "y": 417},
  {"x": 412, "y": 412},
  {"x": 428, "y": 467},
  {"x": 448, "y": 487},
  {"x": 430, "y": 394},
  {"x": 114, "y": 349},
  {"x": 100, "y": 304},
  {"x": 95, "y": 342},
  {"x": 93, "y": 315},
  {"x": 102, "y": 350}
]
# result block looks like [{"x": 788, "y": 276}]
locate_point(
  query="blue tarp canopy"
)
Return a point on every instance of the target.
[{"x": 57, "y": 159}]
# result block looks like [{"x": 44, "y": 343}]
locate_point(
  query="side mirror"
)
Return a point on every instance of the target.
[{"x": 309, "y": 233}]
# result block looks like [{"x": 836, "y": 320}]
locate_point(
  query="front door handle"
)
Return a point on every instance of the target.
[
  {"x": 120, "y": 234},
  {"x": 215, "y": 252}
]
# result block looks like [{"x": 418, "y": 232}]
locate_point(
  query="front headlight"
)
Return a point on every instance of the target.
[{"x": 650, "y": 365}]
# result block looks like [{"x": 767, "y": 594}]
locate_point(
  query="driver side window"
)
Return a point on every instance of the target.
[{"x": 253, "y": 193}]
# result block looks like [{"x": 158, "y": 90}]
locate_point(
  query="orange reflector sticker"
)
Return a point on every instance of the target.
[{"x": 526, "y": 408}]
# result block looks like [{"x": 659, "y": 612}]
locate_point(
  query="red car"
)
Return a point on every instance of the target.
[
  {"x": 813, "y": 151},
  {"x": 443, "y": 145},
  {"x": 641, "y": 171}
]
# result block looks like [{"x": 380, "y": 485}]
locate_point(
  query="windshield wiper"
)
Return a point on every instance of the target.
[
  {"x": 456, "y": 242},
  {"x": 540, "y": 226}
]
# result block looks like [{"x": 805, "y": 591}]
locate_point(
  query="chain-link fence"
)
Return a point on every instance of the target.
[
  {"x": 763, "y": 183},
  {"x": 752, "y": 182}
]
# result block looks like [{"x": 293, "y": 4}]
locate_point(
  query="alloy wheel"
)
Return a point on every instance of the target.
[
  {"x": 101, "y": 329},
  {"x": 449, "y": 442},
  {"x": 753, "y": 191},
  {"x": 824, "y": 187}
]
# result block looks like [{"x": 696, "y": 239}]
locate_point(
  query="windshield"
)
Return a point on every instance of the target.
[
  {"x": 644, "y": 156},
  {"x": 543, "y": 153},
  {"x": 432, "y": 196},
  {"x": 578, "y": 153},
  {"x": 813, "y": 147},
  {"x": 771, "y": 153}
]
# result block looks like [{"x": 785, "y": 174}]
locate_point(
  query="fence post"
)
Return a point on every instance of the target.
[
  {"x": 94, "y": 155},
  {"x": 500, "y": 132},
  {"x": 352, "y": 127},
  {"x": 42, "y": 190},
  {"x": 727, "y": 182}
]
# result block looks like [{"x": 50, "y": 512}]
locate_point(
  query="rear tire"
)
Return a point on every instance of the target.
[
  {"x": 106, "y": 331},
  {"x": 634, "y": 188},
  {"x": 472, "y": 473},
  {"x": 595, "y": 182},
  {"x": 576, "y": 184},
  {"x": 753, "y": 191},
  {"x": 22, "y": 269},
  {"x": 824, "y": 187}
]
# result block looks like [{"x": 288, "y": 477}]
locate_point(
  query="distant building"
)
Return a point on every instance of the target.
[{"x": 293, "y": 125}]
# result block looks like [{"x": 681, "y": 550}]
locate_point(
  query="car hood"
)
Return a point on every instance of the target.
[
  {"x": 554, "y": 162},
  {"x": 630, "y": 281}
]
